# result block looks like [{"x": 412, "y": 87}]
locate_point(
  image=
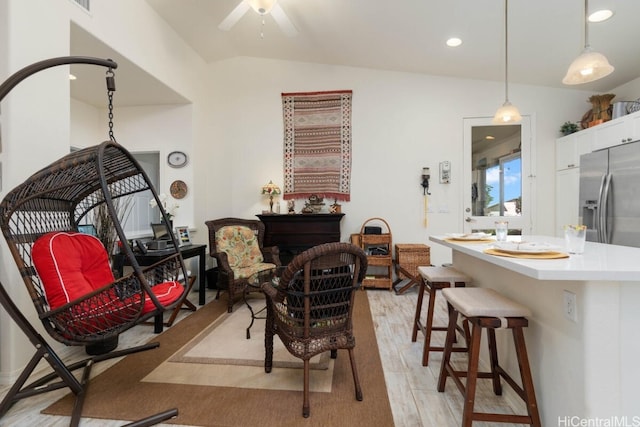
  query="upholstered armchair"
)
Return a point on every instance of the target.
[{"x": 237, "y": 246}]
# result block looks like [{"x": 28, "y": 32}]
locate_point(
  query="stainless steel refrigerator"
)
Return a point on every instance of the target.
[{"x": 610, "y": 194}]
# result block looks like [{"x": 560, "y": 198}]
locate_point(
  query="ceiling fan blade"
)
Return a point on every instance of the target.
[
  {"x": 234, "y": 16},
  {"x": 283, "y": 21}
]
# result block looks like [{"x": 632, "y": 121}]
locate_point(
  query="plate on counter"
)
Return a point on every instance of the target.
[
  {"x": 469, "y": 236},
  {"x": 525, "y": 247}
]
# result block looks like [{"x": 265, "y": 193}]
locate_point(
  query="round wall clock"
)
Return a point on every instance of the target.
[
  {"x": 177, "y": 159},
  {"x": 178, "y": 189}
]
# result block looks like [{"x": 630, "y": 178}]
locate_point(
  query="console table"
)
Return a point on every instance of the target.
[{"x": 294, "y": 233}]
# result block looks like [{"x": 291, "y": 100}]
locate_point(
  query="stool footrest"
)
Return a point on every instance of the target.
[{"x": 502, "y": 418}]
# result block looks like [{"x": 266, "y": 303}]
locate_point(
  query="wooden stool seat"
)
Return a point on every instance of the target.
[
  {"x": 487, "y": 309},
  {"x": 433, "y": 279}
]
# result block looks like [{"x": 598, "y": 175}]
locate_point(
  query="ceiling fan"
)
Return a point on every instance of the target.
[{"x": 261, "y": 7}]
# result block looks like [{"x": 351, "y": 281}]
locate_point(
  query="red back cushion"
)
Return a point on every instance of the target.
[{"x": 70, "y": 265}]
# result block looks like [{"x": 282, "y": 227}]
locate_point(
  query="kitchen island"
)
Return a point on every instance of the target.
[{"x": 584, "y": 368}]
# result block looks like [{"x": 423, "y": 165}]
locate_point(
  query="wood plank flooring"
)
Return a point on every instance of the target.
[{"x": 412, "y": 389}]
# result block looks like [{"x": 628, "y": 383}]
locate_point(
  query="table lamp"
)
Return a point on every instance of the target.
[{"x": 271, "y": 189}]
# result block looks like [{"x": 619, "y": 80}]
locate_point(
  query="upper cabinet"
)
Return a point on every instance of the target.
[
  {"x": 615, "y": 132},
  {"x": 570, "y": 148}
]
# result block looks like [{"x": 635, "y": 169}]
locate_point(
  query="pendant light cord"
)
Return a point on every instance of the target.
[
  {"x": 506, "y": 51},
  {"x": 586, "y": 26}
]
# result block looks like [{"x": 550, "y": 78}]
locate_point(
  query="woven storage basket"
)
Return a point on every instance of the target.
[{"x": 410, "y": 256}]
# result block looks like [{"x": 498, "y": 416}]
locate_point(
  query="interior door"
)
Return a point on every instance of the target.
[{"x": 497, "y": 171}]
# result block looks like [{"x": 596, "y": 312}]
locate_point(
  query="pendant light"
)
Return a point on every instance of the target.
[
  {"x": 508, "y": 113},
  {"x": 589, "y": 66}
]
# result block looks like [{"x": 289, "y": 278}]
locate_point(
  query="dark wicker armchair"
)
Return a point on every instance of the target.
[
  {"x": 311, "y": 308},
  {"x": 237, "y": 246}
]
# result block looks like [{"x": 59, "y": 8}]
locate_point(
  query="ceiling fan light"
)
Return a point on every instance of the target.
[
  {"x": 262, "y": 7},
  {"x": 507, "y": 114},
  {"x": 587, "y": 67}
]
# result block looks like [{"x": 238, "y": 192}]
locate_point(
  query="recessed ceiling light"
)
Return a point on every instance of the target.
[
  {"x": 490, "y": 137},
  {"x": 72, "y": 77},
  {"x": 600, "y": 15},
  {"x": 454, "y": 42}
]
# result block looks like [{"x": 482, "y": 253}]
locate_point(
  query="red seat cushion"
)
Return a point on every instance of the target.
[
  {"x": 166, "y": 293},
  {"x": 70, "y": 266}
]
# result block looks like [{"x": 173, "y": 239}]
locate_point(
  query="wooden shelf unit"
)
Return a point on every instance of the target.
[{"x": 381, "y": 276}]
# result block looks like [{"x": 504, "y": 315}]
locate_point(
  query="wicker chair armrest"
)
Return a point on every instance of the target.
[
  {"x": 269, "y": 290},
  {"x": 271, "y": 254},
  {"x": 223, "y": 263}
]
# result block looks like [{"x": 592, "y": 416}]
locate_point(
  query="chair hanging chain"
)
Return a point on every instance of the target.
[{"x": 111, "y": 87}]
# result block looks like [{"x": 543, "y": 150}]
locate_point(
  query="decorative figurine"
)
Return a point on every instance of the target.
[
  {"x": 291, "y": 206},
  {"x": 335, "y": 207}
]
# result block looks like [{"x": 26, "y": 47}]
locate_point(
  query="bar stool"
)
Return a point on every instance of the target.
[
  {"x": 434, "y": 278},
  {"x": 487, "y": 309}
]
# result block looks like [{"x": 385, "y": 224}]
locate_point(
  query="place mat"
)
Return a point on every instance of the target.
[
  {"x": 543, "y": 255},
  {"x": 463, "y": 241}
]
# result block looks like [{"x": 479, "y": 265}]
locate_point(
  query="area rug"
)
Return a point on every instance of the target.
[
  {"x": 121, "y": 393},
  {"x": 229, "y": 328},
  {"x": 240, "y": 361},
  {"x": 317, "y": 144}
]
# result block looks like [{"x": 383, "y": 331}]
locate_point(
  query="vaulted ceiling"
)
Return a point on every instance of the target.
[{"x": 409, "y": 35}]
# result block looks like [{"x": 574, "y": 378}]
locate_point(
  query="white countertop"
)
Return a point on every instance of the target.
[{"x": 598, "y": 262}]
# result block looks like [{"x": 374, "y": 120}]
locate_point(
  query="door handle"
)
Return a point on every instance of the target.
[{"x": 469, "y": 219}]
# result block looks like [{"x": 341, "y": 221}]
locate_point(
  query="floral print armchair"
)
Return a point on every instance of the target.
[{"x": 237, "y": 246}]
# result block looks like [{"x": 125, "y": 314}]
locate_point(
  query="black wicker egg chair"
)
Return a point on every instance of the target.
[{"x": 51, "y": 204}]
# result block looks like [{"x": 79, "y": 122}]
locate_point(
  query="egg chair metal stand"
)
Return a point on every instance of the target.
[{"x": 59, "y": 198}]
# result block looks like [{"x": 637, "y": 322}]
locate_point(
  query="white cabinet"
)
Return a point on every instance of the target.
[
  {"x": 568, "y": 152},
  {"x": 567, "y": 189},
  {"x": 615, "y": 132},
  {"x": 570, "y": 148}
]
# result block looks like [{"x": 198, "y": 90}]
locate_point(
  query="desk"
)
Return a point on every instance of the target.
[
  {"x": 294, "y": 233},
  {"x": 151, "y": 257},
  {"x": 586, "y": 368}
]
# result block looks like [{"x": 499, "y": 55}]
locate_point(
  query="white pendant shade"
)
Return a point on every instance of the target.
[
  {"x": 261, "y": 6},
  {"x": 588, "y": 67},
  {"x": 506, "y": 114}
]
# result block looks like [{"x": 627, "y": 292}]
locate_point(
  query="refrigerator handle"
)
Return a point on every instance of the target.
[
  {"x": 604, "y": 209},
  {"x": 597, "y": 217}
]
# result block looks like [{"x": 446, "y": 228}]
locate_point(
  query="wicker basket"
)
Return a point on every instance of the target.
[{"x": 410, "y": 256}]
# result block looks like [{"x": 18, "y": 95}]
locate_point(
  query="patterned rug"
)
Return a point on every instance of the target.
[{"x": 317, "y": 144}]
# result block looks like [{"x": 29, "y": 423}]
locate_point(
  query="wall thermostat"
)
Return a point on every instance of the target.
[{"x": 445, "y": 172}]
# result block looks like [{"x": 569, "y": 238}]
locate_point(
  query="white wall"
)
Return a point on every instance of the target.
[
  {"x": 401, "y": 122},
  {"x": 627, "y": 92},
  {"x": 87, "y": 126}
]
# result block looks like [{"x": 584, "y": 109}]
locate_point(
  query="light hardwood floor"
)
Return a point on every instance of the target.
[{"x": 412, "y": 388}]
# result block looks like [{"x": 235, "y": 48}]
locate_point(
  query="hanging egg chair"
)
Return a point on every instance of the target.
[{"x": 67, "y": 274}]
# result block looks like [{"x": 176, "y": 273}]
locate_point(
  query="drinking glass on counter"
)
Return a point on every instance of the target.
[
  {"x": 502, "y": 228},
  {"x": 574, "y": 238}
]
